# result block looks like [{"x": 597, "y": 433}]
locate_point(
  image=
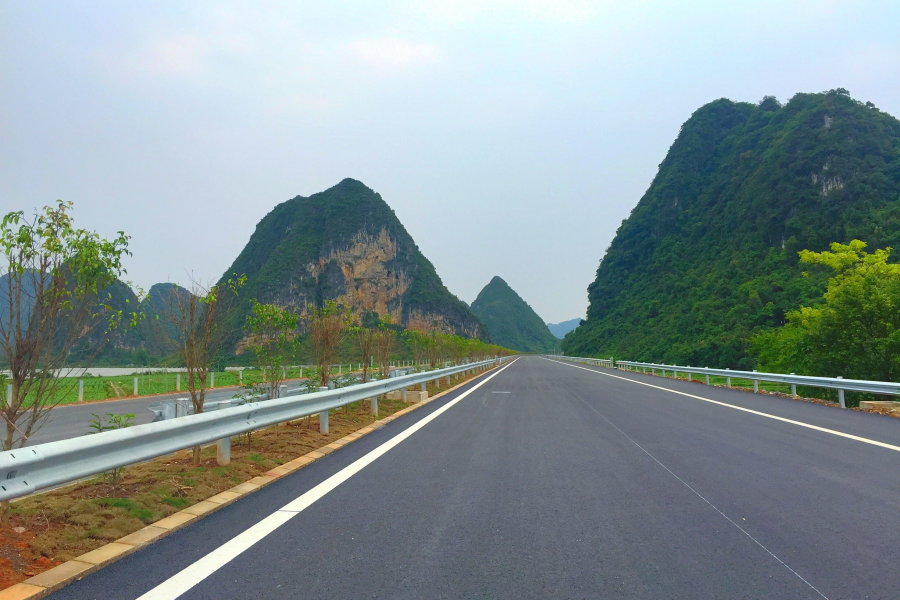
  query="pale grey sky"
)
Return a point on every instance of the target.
[{"x": 511, "y": 138}]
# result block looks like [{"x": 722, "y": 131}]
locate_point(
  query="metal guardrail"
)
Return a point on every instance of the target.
[
  {"x": 840, "y": 384},
  {"x": 26, "y": 470},
  {"x": 597, "y": 362}
]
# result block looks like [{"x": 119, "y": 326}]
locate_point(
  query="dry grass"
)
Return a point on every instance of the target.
[{"x": 53, "y": 527}]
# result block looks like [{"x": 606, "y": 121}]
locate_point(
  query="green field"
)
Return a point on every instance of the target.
[{"x": 148, "y": 384}]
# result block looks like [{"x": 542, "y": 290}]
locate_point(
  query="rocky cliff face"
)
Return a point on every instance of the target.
[
  {"x": 365, "y": 278},
  {"x": 346, "y": 244}
]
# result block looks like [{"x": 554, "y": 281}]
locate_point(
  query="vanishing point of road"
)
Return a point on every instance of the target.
[{"x": 550, "y": 480}]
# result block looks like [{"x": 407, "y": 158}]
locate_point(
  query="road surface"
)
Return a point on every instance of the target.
[
  {"x": 73, "y": 420},
  {"x": 558, "y": 481}
]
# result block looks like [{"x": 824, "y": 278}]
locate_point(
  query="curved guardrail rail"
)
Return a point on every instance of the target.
[{"x": 26, "y": 470}]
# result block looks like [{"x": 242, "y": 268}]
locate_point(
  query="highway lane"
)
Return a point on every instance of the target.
[
  {"x": 73, "y": 420},
  {"x": 552, "y": 481}
]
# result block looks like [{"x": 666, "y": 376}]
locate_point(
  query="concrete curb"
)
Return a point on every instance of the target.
[{"x": 60, "y": 576}]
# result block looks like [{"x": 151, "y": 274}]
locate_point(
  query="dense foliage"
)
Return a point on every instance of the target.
[
  {"x": 854, "y": 332},
  {"x": 510, "y": 321},
  {"x": 709, "y": 256}
]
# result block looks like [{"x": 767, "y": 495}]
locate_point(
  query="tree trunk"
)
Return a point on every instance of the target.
[
  {"x": 7, "y": 445},
  {"x": 196, "y": 456}
]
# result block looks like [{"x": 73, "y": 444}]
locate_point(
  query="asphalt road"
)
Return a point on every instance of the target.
[
  {"x": 73, "y": 420},
  {"x": 556, "y": 481}
]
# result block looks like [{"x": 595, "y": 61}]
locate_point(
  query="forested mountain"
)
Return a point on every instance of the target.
[
  {"x": 345, "y": 244},
  {"x": 709, "y": 256},
  {"x": 561, "y": 329},
  {"x": 510, "y": 322}
]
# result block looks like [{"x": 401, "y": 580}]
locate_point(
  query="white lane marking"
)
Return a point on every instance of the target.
[
  {"x": 748, "y": 410},
  {"x": 699, "y": 495},
  {"x": 501, "y": 392},
  {"x": 190, "y": 576}
]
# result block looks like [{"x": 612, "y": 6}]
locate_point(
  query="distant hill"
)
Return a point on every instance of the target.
[
  {"x": 510, "y": 321},
  {"x": 561, "y": 329},
  {"x": 345, "y": 244},
  {"x": 708, "y": 256}
]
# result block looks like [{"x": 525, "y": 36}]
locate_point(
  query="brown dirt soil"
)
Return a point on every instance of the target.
[{"x": 50, "y": 528}]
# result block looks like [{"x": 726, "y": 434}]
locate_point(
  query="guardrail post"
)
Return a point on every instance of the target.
[
  {"x": 177, "y": 382},
  {"x": 223, "y": 451},
  {"x": 727, "y": 379},
  {"x": 80, "y": 390},
  {"x": 323, "y": 421},
  {"x": 755, "y": 383},
  {"x": 424, "y": 387},
  {"x": 841, "y": 395},
  {"x": 375, "y": 405},
  {"x": 793, "y": 388},
  {"x": 707, "y": 378},
  {"x": 652, "y": 371},
  {"x": 135, "y": 386},
  {"x": 212, "y": 379},
  {"x": 689, "y": 376},
  {"x": 403, "y": 395}
]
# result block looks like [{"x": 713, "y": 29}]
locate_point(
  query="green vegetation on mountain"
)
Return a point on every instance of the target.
[
  {"x": 510, "y": 321},
  {"x": 345, "y": 244},
  {"x": 709, "y": 256}
]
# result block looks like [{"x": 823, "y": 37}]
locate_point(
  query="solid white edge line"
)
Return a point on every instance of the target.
[
  {"x": 193, "y": 574},
  {"x": 748, "y": 410}
]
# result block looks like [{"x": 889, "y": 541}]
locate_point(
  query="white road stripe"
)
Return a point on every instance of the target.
[
  {"x": 183, "y": 581},
  {"x": 755, "y": 412}
]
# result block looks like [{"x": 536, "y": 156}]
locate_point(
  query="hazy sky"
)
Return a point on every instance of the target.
[{"x": 511, "y": 138}]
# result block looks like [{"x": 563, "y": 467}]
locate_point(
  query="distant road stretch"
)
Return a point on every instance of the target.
[
  {"x": 550, "y": 480},
  {"x": 73, "y": 420}
]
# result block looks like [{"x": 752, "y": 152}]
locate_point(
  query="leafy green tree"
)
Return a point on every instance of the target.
[
  {"x": 54, "y": 281},
  {"x": 854, "y": 332},
  {"x": 200, "y": 331},
  {"x": 365, "y": 339},
  {"x": 272, "y": 333},
  {"x": 327, "y": 324},
  {"x": 385, "y": 337}
]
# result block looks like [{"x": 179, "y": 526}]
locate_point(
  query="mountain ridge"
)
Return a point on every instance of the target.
[
  {"x": 562, "y": 328},
  {"x": 345, "y": 243},
  {"x": 708, "y": 257},
  {"x": 510, "y": 321}
]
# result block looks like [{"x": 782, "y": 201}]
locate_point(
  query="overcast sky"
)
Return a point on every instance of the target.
[{"x": 511, "y": 138}]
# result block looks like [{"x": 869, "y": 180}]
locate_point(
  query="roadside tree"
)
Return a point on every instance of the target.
[
  {"x": 385, "y": 338},
  {"x": 854, "y": 332},
  {"x": 54, "y": 282},
  {"x": 272, "y": 333},
  {"x": 200, "y": 331},
  {"x": 327, "y": 325}
]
